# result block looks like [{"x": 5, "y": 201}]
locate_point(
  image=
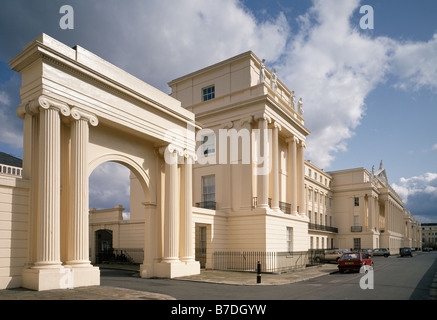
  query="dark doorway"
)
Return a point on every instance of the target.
[{"x": 104, "y": 250}]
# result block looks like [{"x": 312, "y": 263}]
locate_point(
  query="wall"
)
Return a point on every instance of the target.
[{"x": 13, "y": 229}]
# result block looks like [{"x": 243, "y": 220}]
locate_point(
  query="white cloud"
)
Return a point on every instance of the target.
[
  {"x": 167, "y": 39},
  {"x": 4, "y": 99},
  {"x": 9, "y": 133},
  {"x": 333, "y": 67},
  {"x": 109, "y": 185},
  {"x": 420, "y": 193},
  {"x": 434, "y": 147},
  {"x": 415, "y": 63}
]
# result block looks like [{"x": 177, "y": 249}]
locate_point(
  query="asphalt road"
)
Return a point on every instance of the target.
[{"x": 392, "y": 278}]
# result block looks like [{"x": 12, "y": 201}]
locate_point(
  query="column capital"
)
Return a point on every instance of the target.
[
  {"x": 190, "y": 156},
  {"x": 244, "y": 121},
  {"x": 79, "y": 114},
  {"x": 262, "y": 115},
  {"x": 44, "y": 102},
  {"x": 227, "y": 125},
  {"x": 277, "y": 125},
  {"x": 172, "y": 149},
  {"x": 292, "y": 139}
]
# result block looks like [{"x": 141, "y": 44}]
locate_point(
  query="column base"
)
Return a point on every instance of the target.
[
  {"x": 174, "y": 269},
  {"x": 64, "y": 277}
]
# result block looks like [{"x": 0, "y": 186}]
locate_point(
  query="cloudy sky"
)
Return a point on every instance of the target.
[{"x": 369, "y": 94}]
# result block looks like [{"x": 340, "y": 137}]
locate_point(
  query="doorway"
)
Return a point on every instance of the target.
[{"x": 104, "y": 249}]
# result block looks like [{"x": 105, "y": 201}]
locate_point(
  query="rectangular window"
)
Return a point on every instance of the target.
[
  {"x": 356, "y": 221},
  {"x": 309, "y": 214},
  {"x": 356, "y": 202},
  {"x": 290, "y": 239},
  {"x": 208, "y": 144},
  {"x": 357, "y": 243},
  {"x": 208, "y": 93},
  {"x": 208, "y": 192}
]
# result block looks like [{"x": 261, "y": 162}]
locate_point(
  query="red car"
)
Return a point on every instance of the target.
[{"x": 354, "y": 261}]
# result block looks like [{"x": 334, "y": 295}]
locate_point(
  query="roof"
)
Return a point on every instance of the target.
[{"x": 9, "y": 160}]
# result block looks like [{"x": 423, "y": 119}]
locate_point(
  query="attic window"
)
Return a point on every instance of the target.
[{"x": 208, "y": 93}]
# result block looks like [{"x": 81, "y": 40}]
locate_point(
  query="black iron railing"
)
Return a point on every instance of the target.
[
  {"x": 248, "y": 260},
  {"x": 313, "y": 226},
  {"x": 356, "y": 228},
  {"x": 206, "y": 205},
  {"x": 283, "y": 206}
]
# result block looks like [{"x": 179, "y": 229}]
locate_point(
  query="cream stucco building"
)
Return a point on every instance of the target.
[
  {"x": 295, "y": 206},
  {"x": 218, "y": 175}
]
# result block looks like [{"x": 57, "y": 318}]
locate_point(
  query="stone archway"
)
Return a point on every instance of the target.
[{"x": 80, "y": 111}]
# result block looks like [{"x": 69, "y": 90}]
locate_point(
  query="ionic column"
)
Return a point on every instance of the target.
[
  {"x": 186, "y": 253},
  {"x": 371, "y": 212},
  {"x": 171, "y": 212},
  {"x": 263, "y": 174},
  {"x": 301, "y": 176},
  {"x": 49, "y": 164},
  {"x": 292, "y": 173},
  {"x": 275, "y": 166},
  {"x": 78, "y": 231},
  {"x": 30, "y": 114}
]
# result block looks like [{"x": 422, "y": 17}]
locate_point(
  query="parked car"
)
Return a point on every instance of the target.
[
  {"x": 381, "y": 252},
  {"x": 331, "y": 255},
  {"x": 405, "y": 252},
  {"x": 354, "y": 261},
  {"x": 368, "y": 251},
  {"x": 427, "y": 249}
]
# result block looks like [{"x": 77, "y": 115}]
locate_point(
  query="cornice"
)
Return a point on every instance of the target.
[{"x": 66, "y": 59}]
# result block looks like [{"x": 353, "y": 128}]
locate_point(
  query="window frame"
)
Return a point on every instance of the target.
[
  {"x": 207, "y": 146},
  {"x": 208, "y": 95}
]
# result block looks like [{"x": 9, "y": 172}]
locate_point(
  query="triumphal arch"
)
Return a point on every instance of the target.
[{"x": 80, "y": 111}]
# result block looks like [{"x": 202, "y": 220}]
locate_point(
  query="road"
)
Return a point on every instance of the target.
[{"x": 392, "y": 278}]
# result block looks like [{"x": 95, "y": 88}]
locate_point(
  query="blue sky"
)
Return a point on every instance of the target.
[{"x": 369, "y": 95}]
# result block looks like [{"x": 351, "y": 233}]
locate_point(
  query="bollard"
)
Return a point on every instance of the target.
[{"x": 258, "y": 277}]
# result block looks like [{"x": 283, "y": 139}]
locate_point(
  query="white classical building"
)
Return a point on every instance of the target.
[
  {"x": 218, "y": 175},
  {"x": 295, "y": 206}
]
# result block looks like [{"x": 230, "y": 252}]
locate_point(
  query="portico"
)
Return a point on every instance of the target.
[{"x": 80, "y": 111}]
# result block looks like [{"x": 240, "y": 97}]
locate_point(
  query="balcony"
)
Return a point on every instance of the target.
[
  {"x": 283, "y": 206},
  {"x": 319, "y": 227},
  {"x": 206, "y": 205},
  {"x": 356, "y": 228}
]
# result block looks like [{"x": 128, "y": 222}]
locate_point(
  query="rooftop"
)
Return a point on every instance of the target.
[{"x": 9, "y": 160}]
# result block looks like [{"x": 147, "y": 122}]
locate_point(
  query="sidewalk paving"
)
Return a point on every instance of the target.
[{"x": 210, "y": 276}]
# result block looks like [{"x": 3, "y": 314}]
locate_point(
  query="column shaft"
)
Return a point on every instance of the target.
[
  {"x": 292, "y": 174},
  {"x": 186, "y": 214},
  {"x": 48, "y": 222},
  {"x": 301, "y": 177},
  {"x": 78, "y": 240},
  {"x": 171, "y": 216},
  {"x": 263, "y": 175},
  {"x": 275, "y": 168}
]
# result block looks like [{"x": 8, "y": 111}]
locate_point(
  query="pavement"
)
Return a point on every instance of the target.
[{"x": 209, "y": 276}]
